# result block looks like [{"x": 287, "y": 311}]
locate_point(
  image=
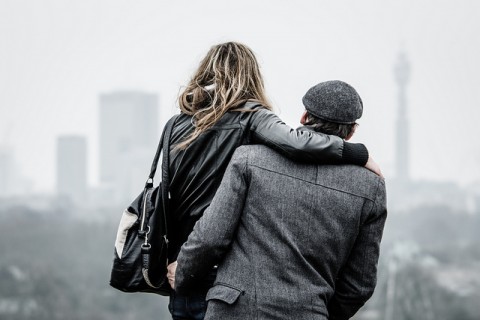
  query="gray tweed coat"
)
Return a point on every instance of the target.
[{"x": 292, "y": 240}]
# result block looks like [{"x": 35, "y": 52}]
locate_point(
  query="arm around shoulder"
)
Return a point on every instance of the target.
[{"x": 304, "y": 145}]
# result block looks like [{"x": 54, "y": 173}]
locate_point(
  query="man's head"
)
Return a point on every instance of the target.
[{"x": 332, "y": 107}]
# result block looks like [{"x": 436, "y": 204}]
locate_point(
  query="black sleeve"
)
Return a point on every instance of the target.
[{"x": 303, "y": 145}]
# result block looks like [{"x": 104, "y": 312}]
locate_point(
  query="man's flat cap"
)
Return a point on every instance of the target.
[{"x": 334, "y": 101}]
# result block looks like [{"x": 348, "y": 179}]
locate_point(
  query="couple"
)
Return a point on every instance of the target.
[{"x": 283, "y": 236}]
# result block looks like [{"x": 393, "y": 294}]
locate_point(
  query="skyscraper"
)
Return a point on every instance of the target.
[
  {"x": 72, "y": 167},
  {"x": 402, "y": 77},
  {"x": 128, "y": 137}
]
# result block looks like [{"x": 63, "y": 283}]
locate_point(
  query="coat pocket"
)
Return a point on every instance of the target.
[{"x": 223, "y": 293}]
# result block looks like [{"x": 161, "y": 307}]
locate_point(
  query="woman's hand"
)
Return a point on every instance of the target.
[
  {"x": 373, "y": 166},
  {"x": 171, "y": 268}
]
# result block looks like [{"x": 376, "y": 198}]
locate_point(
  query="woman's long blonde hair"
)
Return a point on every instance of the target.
[{"x": 227, "y": 77}]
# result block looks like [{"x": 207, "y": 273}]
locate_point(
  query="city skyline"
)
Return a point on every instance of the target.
[
  {"x": 60, "y": 57},
  {"x": 62, "y": 62},
  {"x": 117, "y": 107}
]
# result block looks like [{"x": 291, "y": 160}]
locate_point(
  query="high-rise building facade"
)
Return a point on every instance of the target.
[
  {"x": 72, "y": 167},
  {"x": 129, "y": 134}
]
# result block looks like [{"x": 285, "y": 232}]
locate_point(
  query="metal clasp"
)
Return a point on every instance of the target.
[
  {"x": 146, "y": 237},
  {"x": 149, "y": 183}
]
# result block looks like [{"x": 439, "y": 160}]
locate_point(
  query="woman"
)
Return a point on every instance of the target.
[{"x": 222, "y": 107}]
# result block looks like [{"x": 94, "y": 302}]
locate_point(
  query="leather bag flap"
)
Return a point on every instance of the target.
[{"x": 127, "y": 221}]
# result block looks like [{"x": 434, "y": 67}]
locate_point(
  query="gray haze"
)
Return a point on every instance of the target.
[
  {"x": 57, "y": 57},
  {"x": 68, "y": 67}
]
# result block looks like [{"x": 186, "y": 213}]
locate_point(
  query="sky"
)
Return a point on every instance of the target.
[{"x": 57, "y": 56}]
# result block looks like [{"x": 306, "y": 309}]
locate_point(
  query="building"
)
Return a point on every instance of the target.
[
  {"x": 12, "y": 181},
  {"x": 404, "y": 192},
  {"x": 129, "y": 135},
  {"x": 7, "y": 171},
  {"x": 72, "y": 168}
]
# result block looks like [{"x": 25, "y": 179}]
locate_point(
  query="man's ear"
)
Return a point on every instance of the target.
[
  {"x": 350, "y": 135},
  {"x": 304, "y": 117}
]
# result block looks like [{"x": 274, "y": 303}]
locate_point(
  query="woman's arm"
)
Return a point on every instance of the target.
[{"x": 304, "y": 145}]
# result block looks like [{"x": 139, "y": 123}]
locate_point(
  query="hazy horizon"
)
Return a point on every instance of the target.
[{"x": 57, "y": 57}]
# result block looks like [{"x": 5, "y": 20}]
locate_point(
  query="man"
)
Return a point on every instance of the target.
[{"x": 292, "y": 240}]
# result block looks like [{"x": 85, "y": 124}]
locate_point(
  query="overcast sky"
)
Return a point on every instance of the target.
[{"x": 56, "y": 57}]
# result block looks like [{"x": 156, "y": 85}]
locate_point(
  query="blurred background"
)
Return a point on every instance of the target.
[{"x": 86, "y": 87}]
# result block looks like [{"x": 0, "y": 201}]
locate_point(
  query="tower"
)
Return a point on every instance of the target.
[{"x": 402, "y": 77}]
